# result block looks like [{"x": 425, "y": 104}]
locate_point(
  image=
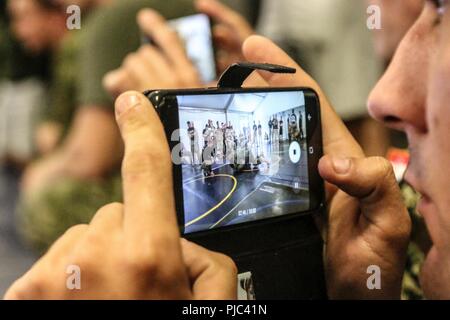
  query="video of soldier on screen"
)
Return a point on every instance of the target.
[{"x": 243, "y": 157}]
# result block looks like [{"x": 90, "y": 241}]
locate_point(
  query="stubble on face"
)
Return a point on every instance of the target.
[{"x": 435, "y": 273}]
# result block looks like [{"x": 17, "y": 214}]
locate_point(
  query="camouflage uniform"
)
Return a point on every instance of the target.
[
  {"x": 419, "y": 244},
  {"x": 46, "y": 217}
]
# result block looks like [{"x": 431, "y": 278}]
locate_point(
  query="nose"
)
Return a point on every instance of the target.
[{"x": 399, "y": 98}]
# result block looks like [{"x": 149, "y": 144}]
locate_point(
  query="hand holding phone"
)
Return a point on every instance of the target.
[
  {"x": 242, "y": 155},
  {"x": 230, "y": 30},
  {"x": 364, "y": 201},
  {"x": 365, "y": 206},
  {"x": 142, "y": 254},
  {"x": 163, "y": 66}
]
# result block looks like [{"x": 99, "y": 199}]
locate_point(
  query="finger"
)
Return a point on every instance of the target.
[
  {"x": 153, "y": 24},
  {"x": 34, "y": 283},
  {"x": 221, "y": 13},
  {"x": 117, "y": 81},
  {"x": 214, "y": 275},
  {"x": 330, "y": 191},
  {"x": 337, "y": 139},
  {"x": 255, "y": 80},
  {"x": 140, "y": 71},
  {"x": 107, "y": 219},
  {"x": 225, "y": 38},
  {"x": 149, "y": 208},
  {"x": 163, "y": 75},
  {"x": 372, "y": 182}
]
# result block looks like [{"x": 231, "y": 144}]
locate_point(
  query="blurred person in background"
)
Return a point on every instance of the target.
[
  {"x": 38, "y": 26},
  {"x": 152, "y": 68},
  {"x": 29, "y": 31},
  {"x": 81, "y": 173}
]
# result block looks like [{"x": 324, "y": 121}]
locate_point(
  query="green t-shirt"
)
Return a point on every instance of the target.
[
  {"x": 107, "y": 35},
  {"x": 110, "y": 34},
  {"x": 61, "y": 103}
]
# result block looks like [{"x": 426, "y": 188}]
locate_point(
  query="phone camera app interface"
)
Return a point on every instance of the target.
[{"x": 243, "y": 157}]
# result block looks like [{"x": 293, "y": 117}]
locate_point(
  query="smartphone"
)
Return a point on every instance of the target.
[
  {"x": 242, "y": 156},
  {"x": 195, "y": 32}
]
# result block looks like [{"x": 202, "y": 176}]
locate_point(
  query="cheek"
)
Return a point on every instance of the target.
[
  {"x": 434, "y": 277},
  {"x": 438, "y": 141}
]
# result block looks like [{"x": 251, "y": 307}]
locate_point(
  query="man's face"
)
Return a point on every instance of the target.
[
  {"x": 414, "y": 96},
  {"x": 397, "y": 16},
  {"x": 31, "y": 24}
]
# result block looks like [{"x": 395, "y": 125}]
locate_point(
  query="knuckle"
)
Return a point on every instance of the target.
[
  {"x": 399, "y": 234},
  {"x": 152, "y": 261},
  {"x": 129, "y": 60},
  {"x": 190, "y": 77},
  {"x": 384, "y": 166},
  {"x": 26, "y": 289},
  {"x": 110, "y": 208},
  {"x": 169, "y": 34},
  {"x": 76, "y": 229},
  {"x": 404, "y": 231},
  {"x": 145, "y": 50},
  {"x": 143, "y": 263},
  {"x": 385, "y": 172},
  {"x": 86, "y": 257},
  {"x": 172, "y": 81},
  {"x": 226, "y": 264}
]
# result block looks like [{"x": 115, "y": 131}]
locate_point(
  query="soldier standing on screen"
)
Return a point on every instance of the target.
[
  {"x": 218, "y": 139},
  {"x": 229, "y": 143},
  {"x": 191, "y": 135},
  {"x": 270, "y": 131},
  {"x": 208, "y": 149},
  {"x": 281, "y": 129},
  {"x": 300, "y": 125},
  {"x": 259, "y": 134},
  {"x": 275, "y": 129},
  {"x": 292, "y": 126}
]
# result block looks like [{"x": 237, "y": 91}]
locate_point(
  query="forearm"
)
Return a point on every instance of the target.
[{"x": 93, "y": 146}]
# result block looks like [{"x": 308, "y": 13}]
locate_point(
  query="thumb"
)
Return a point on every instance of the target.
[
  {"x": 337, "y": 140},
  {"x": 372, "y": 182}
]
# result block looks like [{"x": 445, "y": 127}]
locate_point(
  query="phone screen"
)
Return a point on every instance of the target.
[
  {"x": 243, "y": 157},
  {"x": 195, "y": 31}
]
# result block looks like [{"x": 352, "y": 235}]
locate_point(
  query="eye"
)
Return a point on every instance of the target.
[{"x": 441, "y": 5}]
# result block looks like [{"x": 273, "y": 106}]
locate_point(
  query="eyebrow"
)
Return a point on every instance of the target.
[{"x": 438, "y": 3}]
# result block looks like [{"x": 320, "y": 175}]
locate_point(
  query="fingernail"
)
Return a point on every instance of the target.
[
  {"x": 341, "y": 165},
  {"x": 148, "y": 14},
  {"x": 126, "y": 101}
]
